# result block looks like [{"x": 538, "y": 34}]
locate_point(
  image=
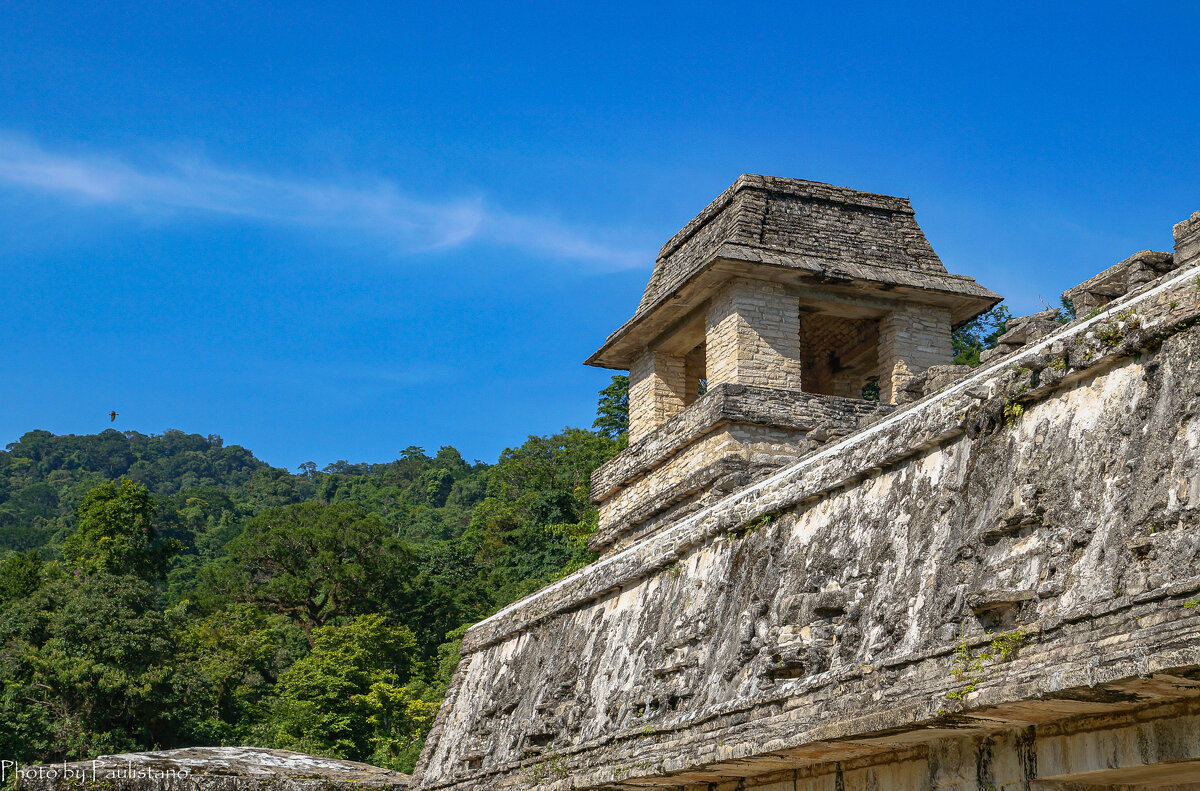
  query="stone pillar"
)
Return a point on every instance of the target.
[
  {"x": 917, "y": 336},
  {"x": 657, "y": 391},
  {"x": 694, "y": 372},
  {"x": 752, "y": 336},
  {"x": 1187, "y": 241}
]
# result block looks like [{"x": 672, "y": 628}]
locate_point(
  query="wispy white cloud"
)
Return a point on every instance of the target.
[{"x": 191, "y": 187}]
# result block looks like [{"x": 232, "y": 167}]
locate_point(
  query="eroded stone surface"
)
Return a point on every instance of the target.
[{"x": 211, "y": 769}]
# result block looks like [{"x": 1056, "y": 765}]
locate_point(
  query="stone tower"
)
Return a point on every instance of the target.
[
  {"x": 993, "y": 586},
  {"x": 782, "y": 316}
]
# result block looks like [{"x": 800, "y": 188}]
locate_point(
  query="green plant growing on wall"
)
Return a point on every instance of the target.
[
  {"x": 1003, "y": 647},
  {"x": 1112, "y": 332},
  {"x": 966, "y": 667},
  {"x": 555, "y": 766},
  {"x": 870, "y": 390},
  {"x": 1007, "y": 646},
  {"x": 764, "y": 520}
]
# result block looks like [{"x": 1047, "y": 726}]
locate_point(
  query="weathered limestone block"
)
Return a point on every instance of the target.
[
  {"x": 1187, "y": 241},
  {"x": 1118, "y": 280},
  {"x": 1023, "y": 330},
  {"x": 925, "y": 603},
  {"x": 209, "y": 769},
  {"x": 939, "y": 377},
  {"x": 935, "y": 379},
  {"x": 1027, "y": 329}
]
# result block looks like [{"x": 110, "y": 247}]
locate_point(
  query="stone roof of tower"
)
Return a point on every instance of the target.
[
  {"x": 824, "y": 233},
  {"x": 814, "y": 221}
]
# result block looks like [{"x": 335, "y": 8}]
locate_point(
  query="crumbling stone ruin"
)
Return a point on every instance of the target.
[
  {"x": 982, "y": 579},
  {"x": 209, "y": 769}
]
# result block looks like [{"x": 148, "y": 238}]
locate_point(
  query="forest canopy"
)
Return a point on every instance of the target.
[{"x": 170, "y": 590}]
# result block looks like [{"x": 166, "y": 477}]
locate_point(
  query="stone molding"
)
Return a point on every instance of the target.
[{"x": 730, "y": 403}]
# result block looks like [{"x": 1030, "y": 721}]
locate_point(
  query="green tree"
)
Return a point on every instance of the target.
[
  {"x": 20, "y": 575},
  {"x": 85, "y": 668},
  {"x": 226, "y": 665},
  {"x": 348, "y": 698},
  {"x": 612, "y": 412},
  {"x": 1066, "y": 311},
  {"x": 268, "y": 561},
  {"x": 117, "y": 534},
  {"x": 537, "y": 516},
  {"x": 979, "y": 334},
  {"x": 313, "y": 563}
]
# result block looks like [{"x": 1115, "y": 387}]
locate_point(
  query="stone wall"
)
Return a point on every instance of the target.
[
  {"x": 1187, "y": 241},
  {"x": 820, "y": 418},
  {"x": 1016, "y": 552},
  {"x": 1138, "y": 269},
  {"x": 1158, "y": 747},
  {"x": 723, "y": 461}
]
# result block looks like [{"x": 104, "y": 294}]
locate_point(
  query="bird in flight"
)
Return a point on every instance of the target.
[{"x": 112, "y": 416}]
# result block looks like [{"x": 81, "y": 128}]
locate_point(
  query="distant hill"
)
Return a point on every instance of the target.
[{"x": 43, "y": 476}]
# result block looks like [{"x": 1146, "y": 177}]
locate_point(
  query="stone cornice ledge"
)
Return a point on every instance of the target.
[
  {"x": 726, "y": 403},
  {"x": 1157, "y": 310}
]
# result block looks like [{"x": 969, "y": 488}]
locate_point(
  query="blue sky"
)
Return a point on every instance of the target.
[{"x": 334, "y": 232}]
